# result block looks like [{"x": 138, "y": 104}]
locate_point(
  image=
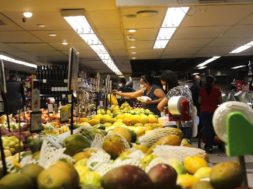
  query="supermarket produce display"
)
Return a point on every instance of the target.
[{"x": 122, "y": 147}]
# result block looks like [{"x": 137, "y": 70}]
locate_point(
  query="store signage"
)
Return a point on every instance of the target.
[
  {"x": 65, "y": 113},
  {"x": 2, "y": 78},
  {"x": 73, "y": 69},
  {"x": 35, "y": 124},
  {"x": 35, "y": 100}
]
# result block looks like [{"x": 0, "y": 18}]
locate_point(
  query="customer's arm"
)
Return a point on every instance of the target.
[
  {"x": 130, "y": 94},
  {"x": 162, "y": 104}
]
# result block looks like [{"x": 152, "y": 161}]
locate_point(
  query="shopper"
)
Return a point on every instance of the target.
[
  {"x": 124, "y": 88},
  {"x": 195, "y": 88},
  {"x": 15, "y": 96},
  {"x": 209, "y": 99},
  {"x": 170, "y": 84},
  {"x": 147, "y": 88}
]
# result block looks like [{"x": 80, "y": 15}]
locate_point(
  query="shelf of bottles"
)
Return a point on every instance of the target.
[{"x": 52, "y": 81}]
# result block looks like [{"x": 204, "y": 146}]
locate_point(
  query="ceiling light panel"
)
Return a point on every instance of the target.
[
  {"x": 238, "y": 67},
  {"x": 9, "y": 59},
  {"x": 81, "y": 25},
  {"x": 242, "y": 48},
  {"x": 173, "y": 18},
  {"x": 208, "y": 61}
]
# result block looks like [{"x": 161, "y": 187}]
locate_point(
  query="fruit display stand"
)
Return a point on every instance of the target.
[{"x": 118, "y": 148}]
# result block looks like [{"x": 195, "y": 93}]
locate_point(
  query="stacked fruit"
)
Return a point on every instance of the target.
[{"x": 12, "y": 145}]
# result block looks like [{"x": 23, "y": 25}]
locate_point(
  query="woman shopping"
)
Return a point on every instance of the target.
[
  {"x": 209, "y": 99},
  {"x": 147, "y": 88}
]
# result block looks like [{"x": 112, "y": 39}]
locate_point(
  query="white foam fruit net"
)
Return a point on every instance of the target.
[
  {"x": 153, "y": 136},
  {"x": 155, "y": 162},
  {"x": 101, "y": 161},
  {"x": 98, "y": 141},
  {"x": 177, "y": 152},
  {"x": 51, "y": 151}
]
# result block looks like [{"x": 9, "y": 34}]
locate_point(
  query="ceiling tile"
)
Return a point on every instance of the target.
[
  {"x": 69, "y": 36},
  {"x": 188, "y": 43},
  {"x": 144, "y": 22},
  {"x": 229, "y": 42},
  {"x": 145, "y": 34},
  {"x": 244, "y": 31},
  {"x": 198, "y": 32},
  {"x": 179, "y": 51},
  {"x": 114, "y": 44},
  {"x": 217, "y": 15},
  {"x": 7, "y": 24},
  {"x": 17, "y": 37},
  {"x": 213, "y": 51},
  {"x": 104, "y": 18}
]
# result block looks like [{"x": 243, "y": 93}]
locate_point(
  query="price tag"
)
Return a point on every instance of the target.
[
  {"x": 44, "y": 81},
  {"x": 65, "y": 113},
  {"x": 69, "y": 98},
  {"x": 1, "y": 107},
  {"x": 36, "y": 125},
  {"x": 50, "y": 108},
  {"x": 35, "y": 100}
]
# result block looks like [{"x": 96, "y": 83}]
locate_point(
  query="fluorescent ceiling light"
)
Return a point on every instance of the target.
[
  {"x": 81, "y": 25},
  {"x": 9, "y": 59},
  {"x": 41, "y": 25},
  {"x": 133, "y": 52},
  {"x": 195, "y": 73},
  {"x": 27, "y": 14},
  {"x": 52, "y": 35},
  {"x": 160, "y": 44},
  {"x": 208, "y": 61},
  {"x": 132, "y": 30},
  {"x": 237, "y": 67},
  {"x": 173, "y": 18},
  {"x": 132, "y": 47},
  {"x": 165, "y": 33},
  {"x": 133, "y": 58},
  {"x": 242, "y": 48},
  {"x": 202, "y": 68},
  {"x": 64, "y": 43}
]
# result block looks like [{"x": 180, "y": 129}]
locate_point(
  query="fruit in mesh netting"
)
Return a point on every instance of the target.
[
  {"x": 59, "y": 175},
  {"x": 76, "y": 143},
  {"x": 124, "y": 132},
  {"x": 226, "y": 175},
  {"x": 126, "y": 177},
  {"x": 163, "y": 176},
  {"x": 153, "y": 136},
  {"x": 16, "y": 181},
  {"x": 114, "y": 144},
  {"x": 173, "y": 140},
  {"x": 87, "y": 153}
]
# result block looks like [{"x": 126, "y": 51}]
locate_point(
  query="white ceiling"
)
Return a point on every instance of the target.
[{"x": 207, "y": 30}]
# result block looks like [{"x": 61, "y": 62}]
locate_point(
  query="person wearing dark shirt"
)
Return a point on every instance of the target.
[
  {"x": 147, "y": 88},
  {"x": 170, "y": 85},
  {"x": 15, "y": 96},
  {"x": 195, "y": 88},
  {"x": 124, "y": 88},
  {"x": 209, "y": 99}
]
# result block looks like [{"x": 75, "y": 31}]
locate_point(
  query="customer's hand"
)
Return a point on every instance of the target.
[
  {"x": 115, "y": 91},
  {"x": 147, "y": 102}
]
